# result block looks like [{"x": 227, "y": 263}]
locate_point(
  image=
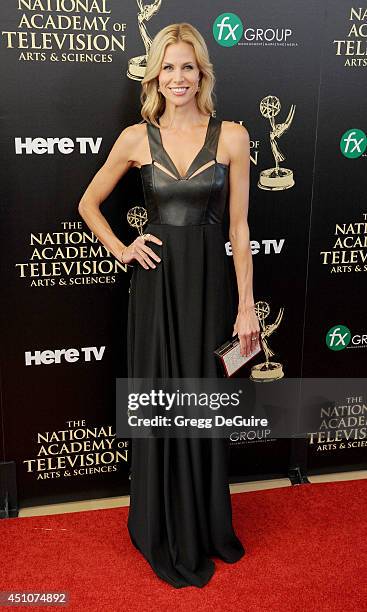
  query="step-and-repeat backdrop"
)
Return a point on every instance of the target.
[{"x": 294, "y": 74}]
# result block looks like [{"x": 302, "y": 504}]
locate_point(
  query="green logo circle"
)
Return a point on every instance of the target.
[
  {"x": 353, "y": 143},
  {"x": 338, "y": 337},
  {"x": 227, "y": 29}
]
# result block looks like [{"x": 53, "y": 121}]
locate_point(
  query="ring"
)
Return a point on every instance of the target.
[
  {"x": 145, "y": 237},
  {"x": 254, "y": 338}
]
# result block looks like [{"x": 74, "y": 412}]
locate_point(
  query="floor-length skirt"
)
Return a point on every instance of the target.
[{"x": 180, "y": 507}]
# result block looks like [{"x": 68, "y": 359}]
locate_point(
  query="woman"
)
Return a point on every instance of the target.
[{"x": 180, "y": 306}]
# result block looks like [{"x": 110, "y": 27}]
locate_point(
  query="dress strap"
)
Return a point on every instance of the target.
[
  {"x": 213, "y": 136},
  {"x": 156, "y": 150}
]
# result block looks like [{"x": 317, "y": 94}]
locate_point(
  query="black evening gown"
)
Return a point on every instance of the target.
[{"x": 180, "y": 507}]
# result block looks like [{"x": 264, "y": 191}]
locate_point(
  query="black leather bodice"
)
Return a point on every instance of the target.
[{"x": 200, "y": 197}]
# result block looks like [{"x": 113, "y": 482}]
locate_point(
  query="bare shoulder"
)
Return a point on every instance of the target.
[
  {"x": 235, "y": 131},
  {"x": 236, "y": 138},
  {"x": 129, "y": 141},
  {"x": 132, "y": 134}
]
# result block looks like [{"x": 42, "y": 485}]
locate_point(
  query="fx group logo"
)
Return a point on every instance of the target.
[
  {"x": 353, "y": 143},
  {"x": 340, "y": 337},
  {"x": 227, "y": 29}
]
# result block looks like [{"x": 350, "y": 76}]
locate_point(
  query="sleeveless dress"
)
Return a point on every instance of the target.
[{"x": 180, "y": 508}]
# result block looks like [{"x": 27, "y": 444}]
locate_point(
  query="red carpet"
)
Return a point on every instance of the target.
[{"x": 305, "y": 551}]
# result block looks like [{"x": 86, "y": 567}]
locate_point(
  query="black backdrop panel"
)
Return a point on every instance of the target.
[
  {"x": 335, "y": 324},
  {"x": 65, "y": 291}
]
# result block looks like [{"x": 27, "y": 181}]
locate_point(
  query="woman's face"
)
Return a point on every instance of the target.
[{"x": 179, "y": 75}]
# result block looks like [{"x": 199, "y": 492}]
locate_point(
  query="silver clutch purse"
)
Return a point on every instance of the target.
[{"x": 230, "y": 356}]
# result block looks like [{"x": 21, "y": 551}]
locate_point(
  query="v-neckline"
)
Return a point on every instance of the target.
[{"x": 185, "y": 176}]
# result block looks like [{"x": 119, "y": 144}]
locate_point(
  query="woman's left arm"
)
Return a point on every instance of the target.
[{"x": 246, "y": 324}]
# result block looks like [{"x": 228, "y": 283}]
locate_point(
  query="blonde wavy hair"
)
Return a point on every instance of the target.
[{"x": 153, "y": 102}]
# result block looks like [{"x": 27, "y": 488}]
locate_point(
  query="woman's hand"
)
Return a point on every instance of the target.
[
  {"x": 139, "y": 251},
  {"x": 247, "y": 327}
]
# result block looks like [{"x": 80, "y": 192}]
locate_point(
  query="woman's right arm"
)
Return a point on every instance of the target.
[{"x": 118, "y": 162}]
